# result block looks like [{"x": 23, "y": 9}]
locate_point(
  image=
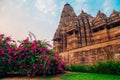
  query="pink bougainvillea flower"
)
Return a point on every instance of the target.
[
  {"x": 28, "y": 75},
  {"x": 26, "y": 40},
  {"x": 9, "y": 61},
  {"x": 47, "y": 67},
  {"x": 31, "y": 51},
  {"x": 41, "y": 64},
  {"x": 9, "y": 50},
  {"x": 14, "y": 54},
  {"x": 40, "y": 49},
  {"x": 8, "y": 39},
  {"x": 29, "y": 56},
  {"x": 32, "y": 75},
  {"x": 2, "y": 52},
  {"x": 2, "y": 35}
]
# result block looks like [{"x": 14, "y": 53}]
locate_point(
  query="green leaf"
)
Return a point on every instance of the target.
[
  {"x": 33, "y": 60},
  {"x": 37, "y": 55},
  {"x": 32, "y": 35},
  {"x": 44, "y": 65}
]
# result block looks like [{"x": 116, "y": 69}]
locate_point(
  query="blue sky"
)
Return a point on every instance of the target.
[{"x": 41, "y": 17}]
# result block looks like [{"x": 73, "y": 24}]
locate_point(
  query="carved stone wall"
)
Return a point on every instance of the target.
[
  {"x": 84, "y": 39},
  {"x": 94, "y": 53}
]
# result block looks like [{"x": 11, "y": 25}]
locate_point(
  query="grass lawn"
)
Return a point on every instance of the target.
[{"x": 70, "y": 76}]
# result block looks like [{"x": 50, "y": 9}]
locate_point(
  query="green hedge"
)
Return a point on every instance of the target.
[{"x": 108, "y": 67}]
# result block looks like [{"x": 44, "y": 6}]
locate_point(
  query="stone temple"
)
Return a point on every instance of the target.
[{"x": 85, "y": 39}]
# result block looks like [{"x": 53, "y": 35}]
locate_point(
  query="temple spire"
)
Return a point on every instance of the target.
[
  {"x": 99, "y": 12},
  {"x": 82, "y": 11},
  {"x": 67, "y": 3}
]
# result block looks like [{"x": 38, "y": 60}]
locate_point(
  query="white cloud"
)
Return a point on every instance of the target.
[
  {"x": 46, "y": 6},
  {"x": 81, "y": 5},
  {"x": 47, "y": 16},
  {"x": 16, "y": 21},
  {"x": 86, "y": 8},
  {"x": 81, "y": 1},
  {"x": 108, "y": 6},
  {"x": 24, "y": 1}
]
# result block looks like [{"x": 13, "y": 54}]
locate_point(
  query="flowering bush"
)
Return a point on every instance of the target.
[
  {"x": 7, "y": 54},
  {"x": 30, "y": 57},
  {"x": 34, "y": 57}
]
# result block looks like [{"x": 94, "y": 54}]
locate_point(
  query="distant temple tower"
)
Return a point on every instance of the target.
[
  {"x": 87, "y": 36},
  {"x": 60, "y": 37}
]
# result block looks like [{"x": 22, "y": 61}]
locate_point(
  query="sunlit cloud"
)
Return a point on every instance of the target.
[{"x": 108, "y": 6}]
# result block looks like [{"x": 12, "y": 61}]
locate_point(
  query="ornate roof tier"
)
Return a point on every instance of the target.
[
  {"x": 114, "y": 13},
  {"x": 57, "y": 35},
  {"x": 84, "y": 16},
  {"x": 114, "y": 17},
  {"x": 100, "y": 19},
  {"x": 73, "y": 25}
]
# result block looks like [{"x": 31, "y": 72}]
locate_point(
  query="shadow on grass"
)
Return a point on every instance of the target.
[
  {"x": 10, "y": 75},
  {"x": 24, "y": 77}
]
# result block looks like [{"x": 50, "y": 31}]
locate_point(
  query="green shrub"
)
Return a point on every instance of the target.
[
  {"x": 109, "y": 67},
  {"x": 76, "y": 68}
]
